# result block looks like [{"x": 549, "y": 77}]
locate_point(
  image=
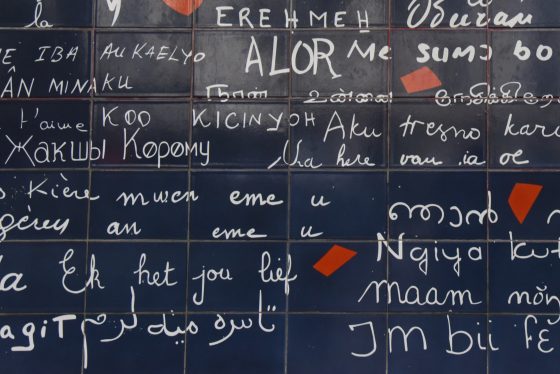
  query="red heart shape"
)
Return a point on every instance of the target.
[{"x": 185, "y": 7}]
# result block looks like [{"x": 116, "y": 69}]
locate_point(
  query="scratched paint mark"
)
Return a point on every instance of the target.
[
  {"x": 420, "y": 80},
  {"x": 184, "y": 7},
  {"x": 333, "y": 260},
  {"x": 522, "y": 198}
]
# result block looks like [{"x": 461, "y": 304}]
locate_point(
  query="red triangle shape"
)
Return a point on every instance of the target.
[{"x": 522, "y": 199}]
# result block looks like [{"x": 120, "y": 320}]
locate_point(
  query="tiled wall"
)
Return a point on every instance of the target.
[{"x": 166, "y": 105}]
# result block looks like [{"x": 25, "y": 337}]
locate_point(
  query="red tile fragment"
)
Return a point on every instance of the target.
[
  {"x": 333, "y": 260},
  {"x": 420, "y": 80},
  {"x": 522, "y": 198},
  {"x": 185, "y": 7}
]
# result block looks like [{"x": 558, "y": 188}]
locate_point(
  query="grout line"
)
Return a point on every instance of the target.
[
  {"x": 158, "y": 313},
  {"x": 465, "y": 99},
  {"x": 190, "y": 132},
  {"x": 92, "y": 39},
  {"x": 289, "y": 187},
  {"x": 352, "y": 28},
  {"x": 280, "y": 241},
  {"x": 487, "y": 158},
  {"x": 388, "y": 173},
  {"x": 376, "y": 170}
]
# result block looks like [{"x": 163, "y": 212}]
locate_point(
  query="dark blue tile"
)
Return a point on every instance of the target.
[
  {"x": 354, "y": 205},
  {"x": 424, "y": 134},
  {"x": 335, "y": 51},
  {"x": 246, "y": 14},
  {"x": 435, "y": 49},
  {"x": 144, "y": 348},
  {"x": 516, "y": 355},
  {"x": 431, "y": 340},
  {"x": 155, "y": 271},
  {"x": 140, "y": 13},
  {"x": 34, "y": 281},
  {"x": 247, "y": 351},
  {"x": 344, "y": 13},
  {"x": 36, "y": 13},
  {"x": 239, "y": 206},
  {"x": 252, "y": 56},
  {"x": 532, "y": 76},
  {"x": 140, "y": 205},
  {"x": 542, "y": 219},
  {"x": 32, "y": 204},
  {"x": 438, "y": 205},
  {"x": 523, "y": 277},
  {"x": 346, "y": 135},
  {"x": 45, "y": 64},
  {"x": 341, "y": 291},
  {"x": 51, "y": 354},
  {"x": 54, "y": 134},
  {"x": 241, "y": 135},
  {"x": 523, "y": 135},
  {"x": 136, "y": 63},
  {"x": 237, "y": 277},
  {"x": 148, "y": 133},
  {"x": 437, "y": 277},
  {"x": 336, "y": 344}
]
